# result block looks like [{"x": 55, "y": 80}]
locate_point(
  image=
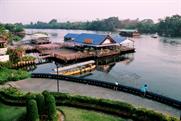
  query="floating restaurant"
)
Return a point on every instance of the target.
[
  {"x": 82, "y": 46},
  {"x": 129, "y": 32},
  {"x": 89, "y": 46}
]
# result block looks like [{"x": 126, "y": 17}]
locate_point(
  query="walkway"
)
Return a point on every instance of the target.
[{"x": 36, "y": 85}]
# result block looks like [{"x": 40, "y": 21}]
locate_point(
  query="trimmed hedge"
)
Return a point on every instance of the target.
[
  {"x": 50, "y": 106},
  {"x": 32, "y": 110},
  {"x": 40, "y": 103},
  {"x": 124, "y": 110}
]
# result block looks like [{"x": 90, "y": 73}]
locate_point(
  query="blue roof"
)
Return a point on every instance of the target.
[
  {"x": 96, "y": 38},
  {"x": 118, "y": 39},
  {"x": 71, "y": 35}
]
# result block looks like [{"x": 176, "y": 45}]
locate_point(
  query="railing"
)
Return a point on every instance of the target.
[{"x": 135, "y": 91}]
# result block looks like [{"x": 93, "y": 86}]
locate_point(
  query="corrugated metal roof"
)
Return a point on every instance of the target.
[
  {"x": 96, "y": 39},
  {"x": 118, "y": 39},
  {"x": 71, "y": 35}
]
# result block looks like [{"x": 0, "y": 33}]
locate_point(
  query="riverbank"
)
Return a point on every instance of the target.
[{"x": 38, "y": 85}]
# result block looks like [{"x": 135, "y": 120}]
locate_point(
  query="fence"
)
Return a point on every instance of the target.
[{"x": 132, "y": 90}]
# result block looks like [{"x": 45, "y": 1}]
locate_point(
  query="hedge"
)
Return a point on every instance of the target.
[
  {"x": 32, "y": 110},
  {"x": 124, "y": 110},
  {"x": 40, "y": 103}
]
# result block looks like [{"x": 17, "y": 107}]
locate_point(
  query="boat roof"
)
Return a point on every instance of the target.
[
  {"x": 128, "y": 30},
  {"x": 75, "y": 65}
]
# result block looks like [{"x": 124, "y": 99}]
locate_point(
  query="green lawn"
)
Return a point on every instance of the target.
[
  {"x": 10, "y": 113},
  {"x": 74, "y": 114}
]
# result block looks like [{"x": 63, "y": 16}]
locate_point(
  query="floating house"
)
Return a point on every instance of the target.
[
  {"x": 124, "y": 41},
  {"x": 70, "y": 36},
  {"x": 3, "y": 49},
  {"x": 40, "y": 38},
  {"x": 129, "y": 32}
]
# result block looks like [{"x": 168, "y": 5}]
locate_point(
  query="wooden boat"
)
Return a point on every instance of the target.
[
  {"x": 77, "y": 69},
  {"x": 155, "y": 35}
]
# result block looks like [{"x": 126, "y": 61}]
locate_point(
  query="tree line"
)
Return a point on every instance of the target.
[{"x": 169, "y": 26}]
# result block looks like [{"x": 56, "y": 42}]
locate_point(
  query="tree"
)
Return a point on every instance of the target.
[{"x": 170, "y": 26}]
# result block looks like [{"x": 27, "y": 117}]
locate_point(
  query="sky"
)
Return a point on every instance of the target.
[{"x": 25, "y": 11}]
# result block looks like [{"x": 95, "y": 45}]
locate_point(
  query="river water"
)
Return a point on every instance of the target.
[{"x": 156, "y": 62}]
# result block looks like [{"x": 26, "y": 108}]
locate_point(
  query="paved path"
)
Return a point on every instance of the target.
[{"x": 38, "y": 85}]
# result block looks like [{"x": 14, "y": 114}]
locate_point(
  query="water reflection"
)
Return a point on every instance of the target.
[
  {"x": 106, "y": 64},
  {"x": 172, "y": 41}
]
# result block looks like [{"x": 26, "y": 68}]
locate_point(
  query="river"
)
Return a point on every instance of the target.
[{"x": 156, "y": 62}]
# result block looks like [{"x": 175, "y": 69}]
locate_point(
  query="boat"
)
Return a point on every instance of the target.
[
  {"x": 154, "y": 35},
  {"x": 77, "y": 69}
]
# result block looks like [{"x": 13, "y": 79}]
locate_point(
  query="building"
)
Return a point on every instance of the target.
[
  {"x": 124, "y": 41},
  {"x": 3, "y": 50},
  {"x": 129, "y": 33},
  {"x": 40, "y": 38}
]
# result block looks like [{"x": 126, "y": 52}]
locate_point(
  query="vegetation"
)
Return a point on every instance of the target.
[
  {"x": 15, "y": 54},
  {"x": 50, "y": 106},
  {"x": 124, "y": 110},
  {"x": 86, "y": 115},
  {"x": 11, "y": 113},
  {"x": 40, "y": 103},
  {"x": 32, "y": 111},
  {"x": 12, "y": 75},
  {"x": 28, "y": 58},
  {"x": 11, "y": 32},
  {"x": 170, "y": 26}
]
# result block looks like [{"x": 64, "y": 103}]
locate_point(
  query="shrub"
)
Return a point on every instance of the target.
[
  {"x": 12, "y": 75},
  {"x": 50, "y": 106},
  {"x": 32, "y": 111},
  {"x": 7, "y": 64},
  {"x": 40, "y": 103}
]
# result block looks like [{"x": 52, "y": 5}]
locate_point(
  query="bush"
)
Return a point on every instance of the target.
[
  {"x": 12, "y": 75},
  {"x": 40, "y": 103},
  {"x": 7, "y": 64},
  {"x": 50, "y": 106},
  {"x": 104, "y": 105},
  {"x": 28, "y": 58},
  {"x": 32, "y": 111}
]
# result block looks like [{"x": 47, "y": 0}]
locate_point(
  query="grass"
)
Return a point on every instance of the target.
[
  {"x": 10, "y": 113},
  {"x": 12, "y": 75},
  {"x": 75, "y": 114}
]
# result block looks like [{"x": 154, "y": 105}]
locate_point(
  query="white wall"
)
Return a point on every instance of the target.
[
  {"x": 107, "y": 41},
  {"x": 127, "y": 43},
  {"x": 3, "y": 51},
  {"x": 4, "y": 58}
]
